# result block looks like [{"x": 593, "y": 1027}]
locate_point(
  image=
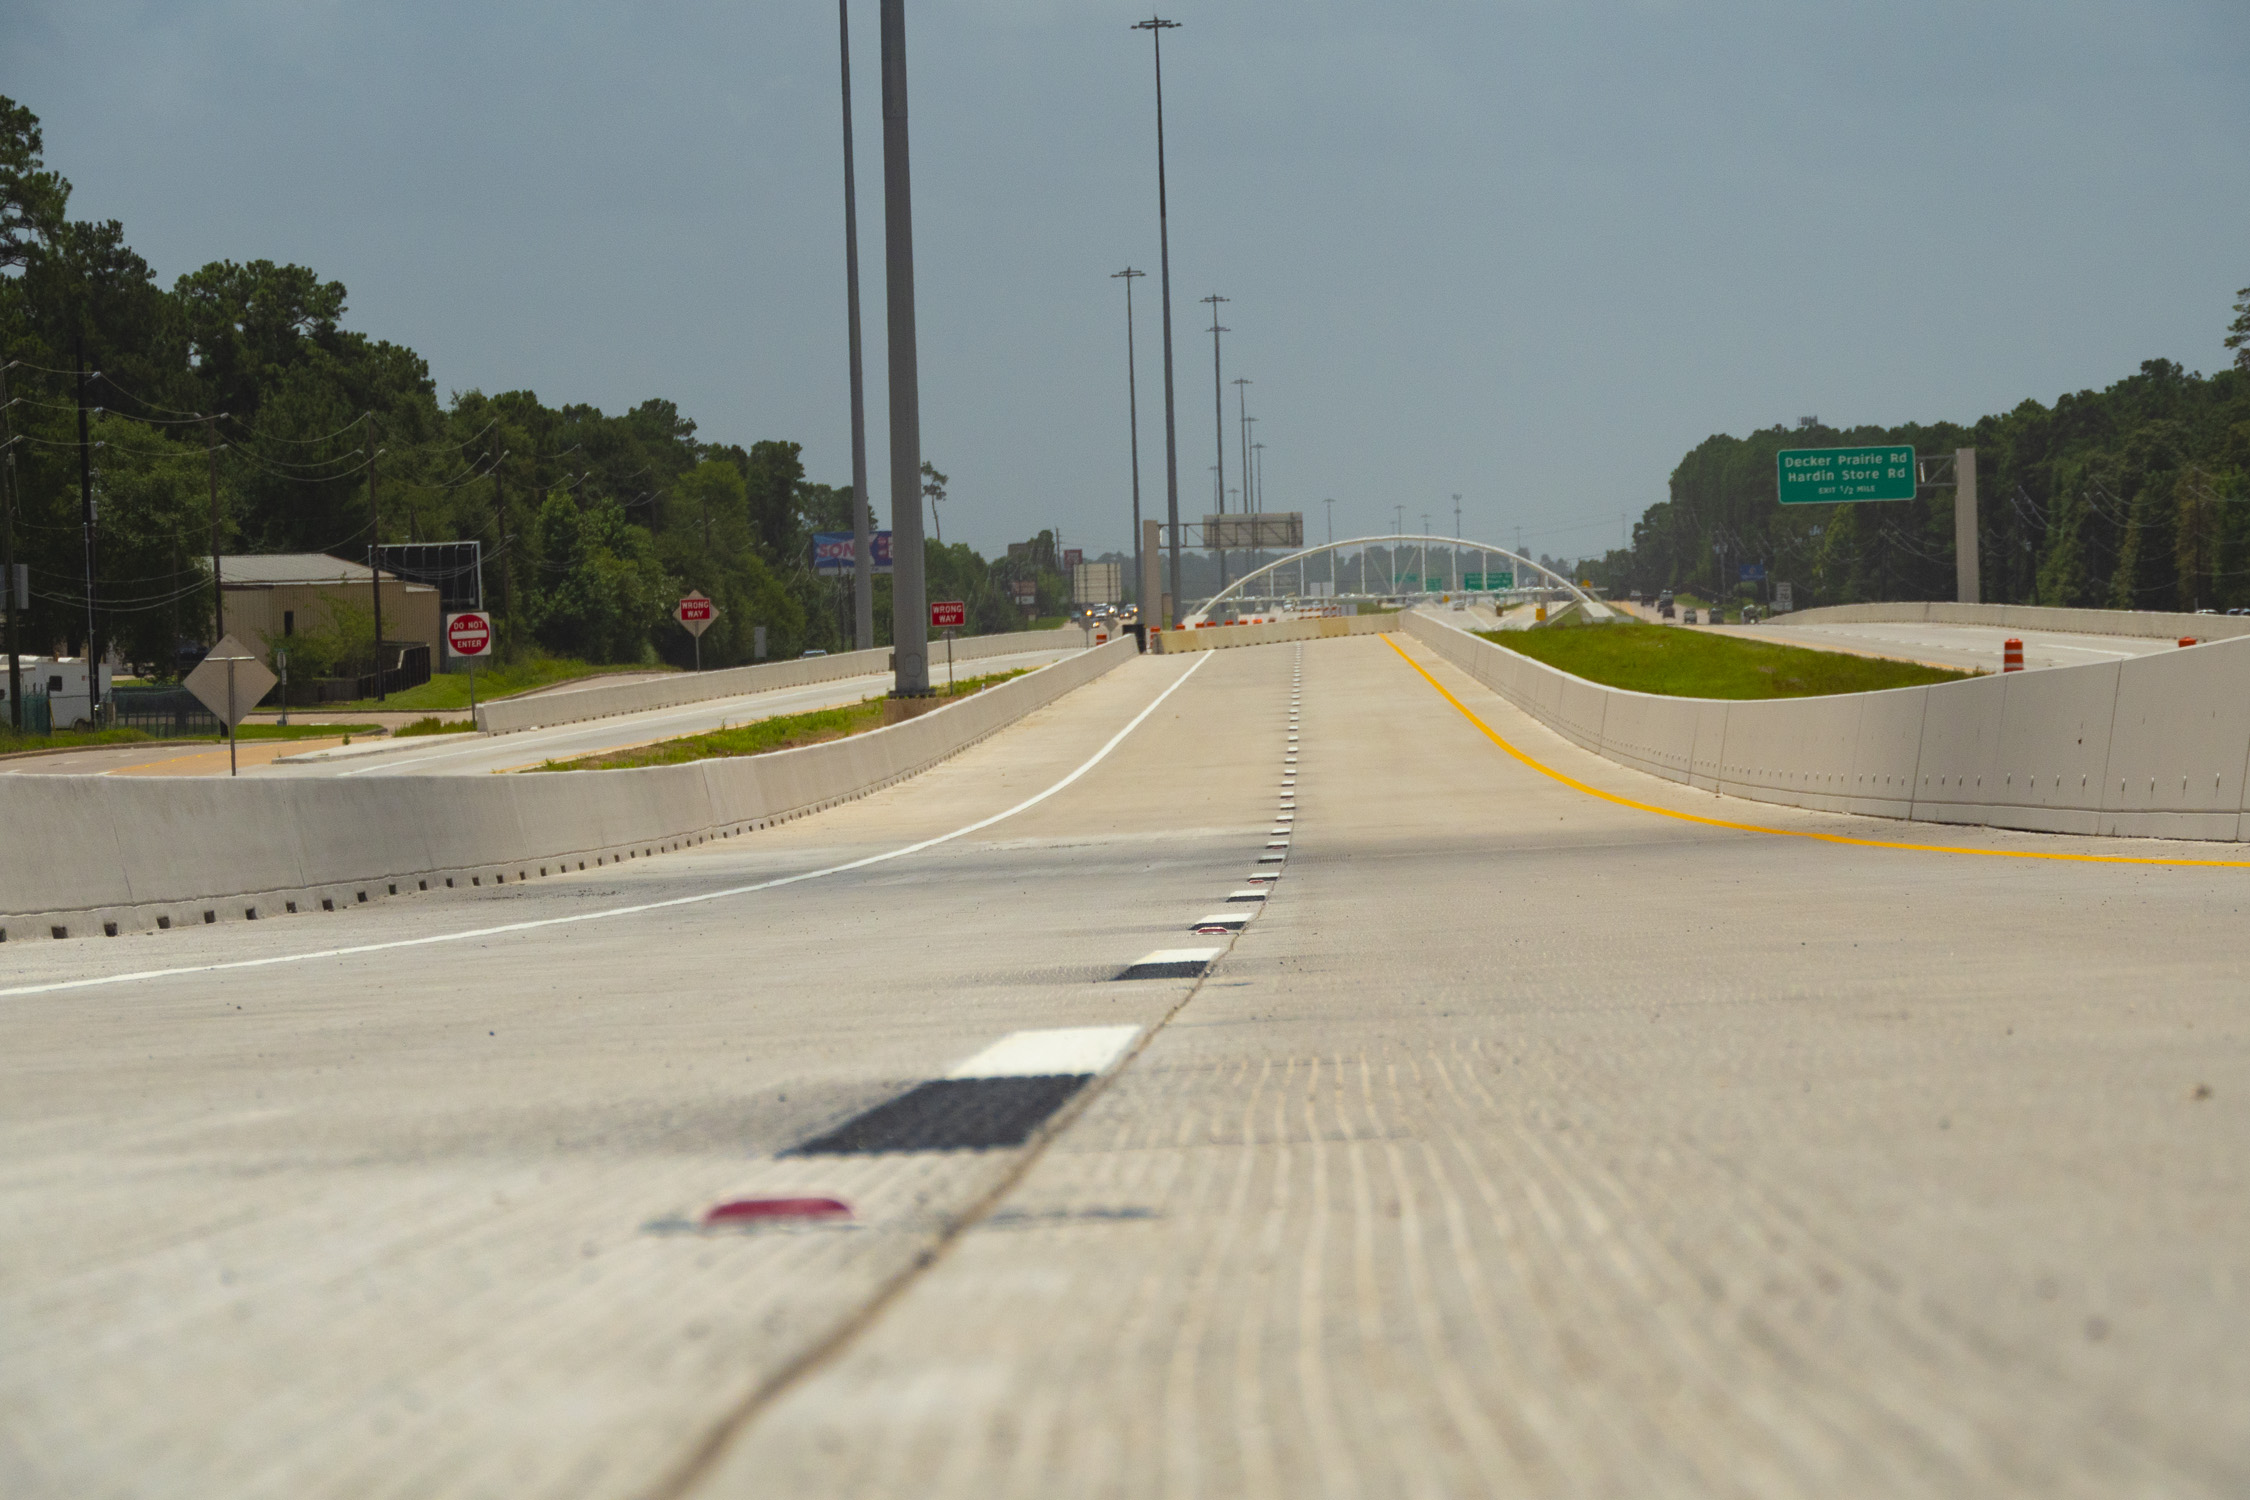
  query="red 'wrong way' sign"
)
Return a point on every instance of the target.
[
  {"x": 948, "y": 614},
  {"x": 696, "y": 612},
  {"x": 468, "y": 633}
]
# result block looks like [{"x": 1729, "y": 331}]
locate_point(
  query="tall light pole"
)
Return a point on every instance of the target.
[
  {"x": 1133, "y": 420},
  {"x": 1156, "y": 26},
  {"x": 1331, "y": 504},
  {"x": 1456, "y": 544},
  {"x": 1425, "y": 576},
  {"x": 1398, "y": 529},
  {"x": 1219, "y": 417},
  {"x": 863, "y": 541},
  {"x": 910, "y": 621},
  {"x": 1242, "y": 411}
]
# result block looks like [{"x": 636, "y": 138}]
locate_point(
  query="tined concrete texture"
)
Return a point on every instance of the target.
[{"x": 1525, "y": 1143}]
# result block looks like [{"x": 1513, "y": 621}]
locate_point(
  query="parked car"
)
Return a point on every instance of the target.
[{"x": 1687, "y": 616}]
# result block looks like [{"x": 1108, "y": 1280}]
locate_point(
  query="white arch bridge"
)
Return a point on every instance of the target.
[{"x": 1240, "y": 588}]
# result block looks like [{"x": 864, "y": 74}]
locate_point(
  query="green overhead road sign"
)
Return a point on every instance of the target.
[
  {"x": 1492, "y": 582},
  {"x": 1824, "y": 476}
]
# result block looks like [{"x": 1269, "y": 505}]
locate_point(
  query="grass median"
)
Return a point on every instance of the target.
[
  {"x": 1693, "y": 664},
  {"x": 762, "y": 736}
]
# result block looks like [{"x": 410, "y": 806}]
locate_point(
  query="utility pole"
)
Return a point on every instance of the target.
[
  {"x": 910, "y": 620},
  {"x": 8, "y": 554},
  {"x": 86, "y": 516},
  {"x": 1133, "y": 422},
  {"x": 1156, "y": 26},
  {"x": 863, "y": 527},
  {"x": 1219, "y": 420},
  {"x": 500, "y": 529},
  {"x": 375, "y": 554},
  {"x": 218, "y": 588}
]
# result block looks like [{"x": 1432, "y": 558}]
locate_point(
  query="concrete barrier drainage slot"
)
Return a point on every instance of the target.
[
  {"x": 326, "y": 904},
  {"x": 1220, "y": 922},
  {"x": 1246, "y": 896},
  {"x": 60, "y": 932},
  {"x": 210, "y": 917},
  {"x": 1172, "y": 963},
  {"x": 951, "y": 1114},
  {"x": 163, "y": 924},
  {"x": 109, "y": 929}
]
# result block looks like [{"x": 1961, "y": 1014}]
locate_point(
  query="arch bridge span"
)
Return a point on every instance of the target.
[{"x": 1239, "y": 588}]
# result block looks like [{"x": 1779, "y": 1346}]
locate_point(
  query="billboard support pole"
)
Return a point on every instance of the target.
[{"x": 910, "y": 621}]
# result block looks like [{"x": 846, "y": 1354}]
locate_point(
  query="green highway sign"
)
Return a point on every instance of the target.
[
  {"x": 1493, "y": 582},
  {"x": 1823, "y": 476}
]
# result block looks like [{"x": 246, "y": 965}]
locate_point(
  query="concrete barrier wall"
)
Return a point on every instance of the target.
[
  {"x": 2154, "y": 747},
  {"x": 575, "y": 705},
  {"x": 2149, "y": 623},
  {"x": 137, "y": 853},
  {"x": 1220, "y": 637}
]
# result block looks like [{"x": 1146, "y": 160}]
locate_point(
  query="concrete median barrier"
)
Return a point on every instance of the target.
[
  {"x": 2154, "y": 747},
  {"x": 92, "y": 853},
  {"x": 578, "y": 704},
  {"x": 1221, "y": 637}
]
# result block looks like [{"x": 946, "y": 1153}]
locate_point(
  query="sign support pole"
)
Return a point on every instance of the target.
[
  {"x": 232, "y": 768},
  {"x": 910, "y": 622}
]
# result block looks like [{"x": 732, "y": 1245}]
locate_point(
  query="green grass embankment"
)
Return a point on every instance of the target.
[
  {"x": 1692, "y": 664},
  {"x": 787, "y": 732},
  {"x": 451, "y": 690}
]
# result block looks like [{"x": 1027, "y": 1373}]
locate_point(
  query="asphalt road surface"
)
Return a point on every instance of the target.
[
  {"x": 1526, "y": 1142},
  {"x": 478, "y": 754}
]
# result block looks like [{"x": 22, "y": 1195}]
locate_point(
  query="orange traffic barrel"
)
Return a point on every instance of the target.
[{"x": 2011, "y": 656}]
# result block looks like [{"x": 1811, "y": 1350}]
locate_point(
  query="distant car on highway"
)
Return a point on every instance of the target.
[
  {"x": 1460, "y": 604},
  {"x": 1687, "y": 616},
  {"x": 815, "y": 651}
]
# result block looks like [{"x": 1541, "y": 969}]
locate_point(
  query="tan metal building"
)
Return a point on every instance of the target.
[{"x": 271, "y": 596}]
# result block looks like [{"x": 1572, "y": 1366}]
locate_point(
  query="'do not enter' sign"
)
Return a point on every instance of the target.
[{"x": 468, "y": 633}]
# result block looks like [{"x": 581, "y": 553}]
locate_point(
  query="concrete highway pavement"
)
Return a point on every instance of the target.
[
  {"x": 1527, "y": 1142},
  {"x": 1966, "y": 647},
  {"x": 478, "y": 754}
]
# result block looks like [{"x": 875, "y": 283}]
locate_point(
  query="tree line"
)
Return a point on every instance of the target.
[
  {"x": 2132, "y": 497},
  {"x": 236, "y": 400}
]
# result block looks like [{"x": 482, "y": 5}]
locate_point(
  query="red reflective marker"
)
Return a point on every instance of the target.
[{"x": 742, "y": 1210}]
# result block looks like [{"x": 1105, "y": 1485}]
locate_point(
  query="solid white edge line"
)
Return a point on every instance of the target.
[{"x": 626, "y": 911}]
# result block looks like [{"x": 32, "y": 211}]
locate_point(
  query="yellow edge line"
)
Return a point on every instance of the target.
[{"x": 1790, "y": 833}]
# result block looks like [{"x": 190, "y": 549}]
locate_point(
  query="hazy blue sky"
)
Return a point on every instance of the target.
[{"x": 1526, "y": 251}]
